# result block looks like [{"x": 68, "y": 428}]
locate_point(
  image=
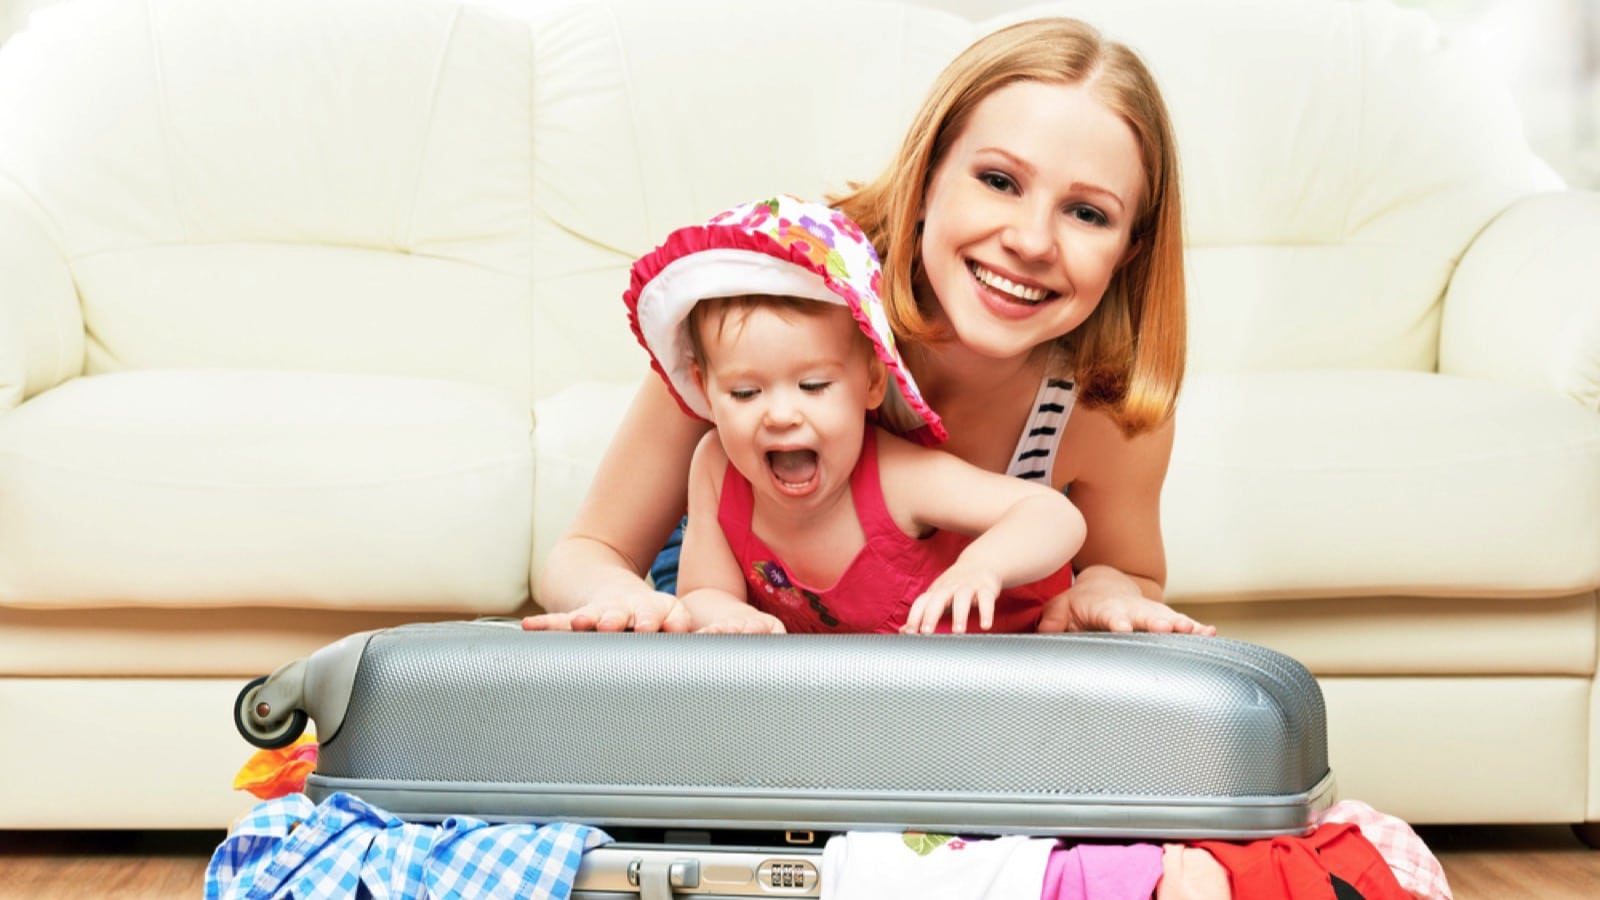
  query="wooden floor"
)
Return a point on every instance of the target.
[{"x": 1483, "y": 863}]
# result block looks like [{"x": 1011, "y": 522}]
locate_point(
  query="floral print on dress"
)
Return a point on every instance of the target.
[{"x": 783, "y": 593}]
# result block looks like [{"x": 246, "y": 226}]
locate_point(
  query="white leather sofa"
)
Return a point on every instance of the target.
[{"x": 309, "y": 323}]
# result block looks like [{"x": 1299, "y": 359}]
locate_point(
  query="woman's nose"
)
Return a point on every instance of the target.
[{"x": 1029, "y": 234}]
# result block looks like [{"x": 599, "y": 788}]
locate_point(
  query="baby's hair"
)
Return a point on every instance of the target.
[
  {"x": 1128, "y": 356},
  {"x": 737, "y": 308}
]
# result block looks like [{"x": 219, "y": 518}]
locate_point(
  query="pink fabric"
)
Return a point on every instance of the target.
[
  {"x": 875, "y": 592},
  {"x": 1102, "y": 872},
  {"x": 1413, "y": 864}
]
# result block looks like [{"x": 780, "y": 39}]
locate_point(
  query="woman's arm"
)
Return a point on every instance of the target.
[
  {"x": 594, "y": 577},
  {"x": 1122, "y": 569}
]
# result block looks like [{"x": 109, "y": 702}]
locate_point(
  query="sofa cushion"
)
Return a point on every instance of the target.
[
  {"x": 1346, "y": 484},
  {"x": 241, "y": 487},
  {"x": 1305, "y": 485}
]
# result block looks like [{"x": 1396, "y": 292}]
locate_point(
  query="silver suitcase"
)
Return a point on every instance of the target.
[{"x": 720, "y": 762}]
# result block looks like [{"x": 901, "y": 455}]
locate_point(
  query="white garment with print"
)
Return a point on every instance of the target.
[{"x": 869, "y": 865}]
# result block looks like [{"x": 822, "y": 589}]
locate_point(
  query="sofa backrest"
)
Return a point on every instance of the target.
[
  {"x": 1337, "y": 158},
  {"x": 298, "y": 184},
  {"x": 423, "y": 187},
  {"x": 648, "y": 119}
]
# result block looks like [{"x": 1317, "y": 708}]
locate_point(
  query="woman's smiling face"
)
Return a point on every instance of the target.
[{"x": 1029, "y": 215}]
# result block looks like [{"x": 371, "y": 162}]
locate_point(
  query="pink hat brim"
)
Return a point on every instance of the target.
[{"x": 659, "y": 317}]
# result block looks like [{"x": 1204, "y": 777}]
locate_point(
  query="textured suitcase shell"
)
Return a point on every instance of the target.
[{"x": 1106, "y": 735}]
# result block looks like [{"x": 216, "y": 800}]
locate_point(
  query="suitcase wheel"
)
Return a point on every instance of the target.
[{"x": 266, "y": 728}]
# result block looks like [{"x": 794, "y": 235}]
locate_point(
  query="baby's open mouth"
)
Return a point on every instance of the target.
[{"x": 793, "y": 468}]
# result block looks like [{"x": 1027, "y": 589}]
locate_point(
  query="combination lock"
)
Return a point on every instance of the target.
[{"x": 787, "y": 874}]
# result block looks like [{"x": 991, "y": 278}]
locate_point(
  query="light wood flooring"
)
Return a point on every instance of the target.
[{"x": 1482, "y": 862}]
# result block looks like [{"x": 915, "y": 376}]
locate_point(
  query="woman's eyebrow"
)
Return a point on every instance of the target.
[{"x": 1087, "y": 187}]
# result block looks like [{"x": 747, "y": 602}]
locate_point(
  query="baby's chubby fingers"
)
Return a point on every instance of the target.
[
  {"x": 986, "y": 602},
  {"x": 764, "y": 624},
  {"x": 961, "y": 608},
  {"x": 924, "y": 614}
]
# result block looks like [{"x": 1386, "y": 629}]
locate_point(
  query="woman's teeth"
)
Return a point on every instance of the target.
[{"x": 1007, "y": 286}]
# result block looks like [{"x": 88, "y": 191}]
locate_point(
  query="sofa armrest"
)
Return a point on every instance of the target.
[
  {"x": 1524, "y": 304},
  {"x": 41, "y": 324}
]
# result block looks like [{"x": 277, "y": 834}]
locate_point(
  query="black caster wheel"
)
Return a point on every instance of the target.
[{"x": 265, "y": 736}]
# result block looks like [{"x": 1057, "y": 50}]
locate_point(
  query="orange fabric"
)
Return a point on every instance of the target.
[
  {"x": 1298, "y": 867},
  {"x": 270, "y": 774}
]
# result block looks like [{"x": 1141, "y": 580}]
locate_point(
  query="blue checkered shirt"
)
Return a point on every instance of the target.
[{"x": 344, "y": 848}]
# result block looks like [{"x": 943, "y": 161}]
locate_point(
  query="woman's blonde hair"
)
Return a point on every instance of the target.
[{"x": 1128, "y": 356}]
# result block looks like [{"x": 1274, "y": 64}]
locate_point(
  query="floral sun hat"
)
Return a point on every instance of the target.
[{"x": 782, "y": 246}]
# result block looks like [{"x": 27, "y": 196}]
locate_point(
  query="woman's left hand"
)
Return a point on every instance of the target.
[{"x": 1103, "y": 599}]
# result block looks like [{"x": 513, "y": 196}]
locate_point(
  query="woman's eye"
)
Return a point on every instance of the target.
[
  {"x": 814, "y": 387},
  {"x": 998, "y": 181},
  {"x": 1088, "y": 215}
]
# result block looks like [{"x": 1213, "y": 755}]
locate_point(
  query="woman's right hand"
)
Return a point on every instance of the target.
[
  {"x": 646, "y": 610},
  {"x": 594, "y": 577}
]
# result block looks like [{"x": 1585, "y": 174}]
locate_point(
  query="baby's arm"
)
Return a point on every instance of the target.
[
  {"x": 1022, "y": 531},
  {"x": 710, "y": 585}
]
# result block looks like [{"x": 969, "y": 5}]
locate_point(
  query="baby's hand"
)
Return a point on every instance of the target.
[
  {"x": 642, "y": 611},
  {"x": 959, "y": 589},
  {"x": 751, "y": 621},
  {"x": 717, "y": 612}
]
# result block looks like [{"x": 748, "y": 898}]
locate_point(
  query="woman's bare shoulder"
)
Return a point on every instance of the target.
[{"x": 1095, "y": 448}]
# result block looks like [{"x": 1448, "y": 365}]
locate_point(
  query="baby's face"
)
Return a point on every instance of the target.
[{"x": 789, "y": 393}]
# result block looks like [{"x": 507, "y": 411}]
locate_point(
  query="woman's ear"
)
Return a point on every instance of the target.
[{"x": 1135, "y": 247}]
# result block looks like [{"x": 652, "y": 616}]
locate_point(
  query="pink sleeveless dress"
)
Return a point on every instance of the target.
[{"x": 875, "y": 591}]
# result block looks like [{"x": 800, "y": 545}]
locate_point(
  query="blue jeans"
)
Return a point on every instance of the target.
[{"x": 664, "y": 571}]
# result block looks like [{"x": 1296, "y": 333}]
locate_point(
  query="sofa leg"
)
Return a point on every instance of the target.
[{"x": 1589, "y": 833}]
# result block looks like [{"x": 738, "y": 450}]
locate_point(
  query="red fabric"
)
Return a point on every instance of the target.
[
  {"x": 875, "y": 592},
  {"x": 1298, "y": 867}
]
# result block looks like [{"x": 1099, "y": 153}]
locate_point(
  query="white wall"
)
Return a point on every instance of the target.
[{"x": 1548, "y": 51}]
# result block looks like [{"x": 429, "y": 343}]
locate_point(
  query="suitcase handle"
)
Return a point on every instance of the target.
[{"x": 657, "y": 877}]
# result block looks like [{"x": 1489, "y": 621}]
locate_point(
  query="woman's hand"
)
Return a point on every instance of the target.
[
  {"x": 1104, "y": 599},
  {"x": 645, "y": 610}
]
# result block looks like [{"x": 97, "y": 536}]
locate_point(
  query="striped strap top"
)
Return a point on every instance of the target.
[{"x": 1035, "y": 457}]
